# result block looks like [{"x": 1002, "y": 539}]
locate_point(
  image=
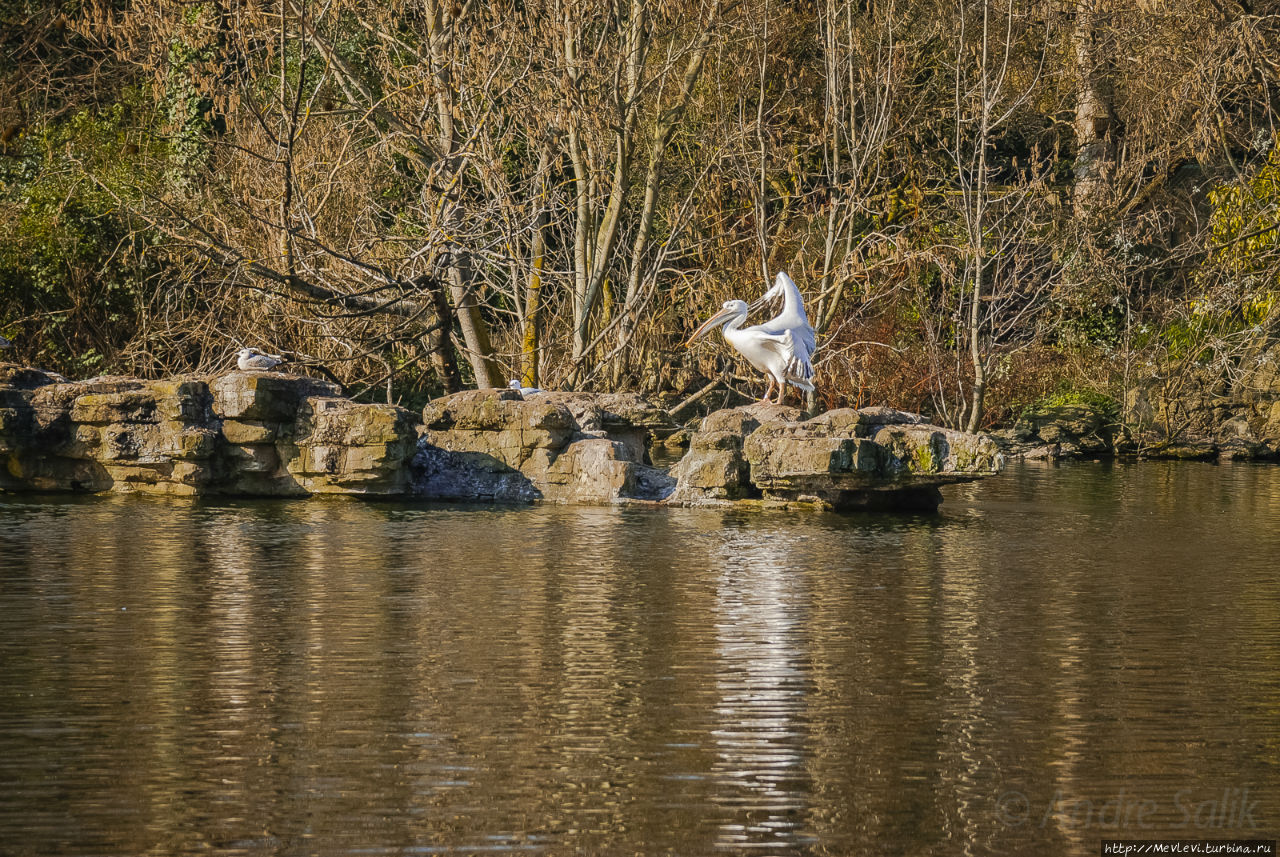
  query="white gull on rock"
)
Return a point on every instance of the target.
[
  {"x": 523, "y": 390},
  {"x": 253, "y": 360}
]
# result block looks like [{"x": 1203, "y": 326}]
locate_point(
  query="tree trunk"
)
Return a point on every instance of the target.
[
  {"x": 1095, "y": 124},
  {"x": 440, "y": 344},
  {"x": 475, "y": 333},
  {"x": 530, "y": 341},
  {"x": 440, "y": 22},
  {"x": 977, "y": 235},
  {"x": 596, "y": 232},
  {"x": 975, "y": 351},
  {"x": 662, "y": 131}
]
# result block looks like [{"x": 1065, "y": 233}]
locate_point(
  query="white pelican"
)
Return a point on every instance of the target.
[
  {"x": 522, "y": 389},
  {"x": 792, "y": 317},
  {"x": 778, "y": 355},
  {"x": 253, "y": 360}
]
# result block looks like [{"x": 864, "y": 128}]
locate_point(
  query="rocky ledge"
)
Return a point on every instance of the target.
[
  {"x": 242, "y": 434},
  {"x": 272, "y": 434},
  {"x": 872, "y": 458}
]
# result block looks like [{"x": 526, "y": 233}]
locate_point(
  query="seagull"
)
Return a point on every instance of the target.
[
  {"x": 4, "y": 343},
  {"x": 780, "y": 356},
  {"x": 522, "y": 389},
  {"x": 253, "y": 360}
]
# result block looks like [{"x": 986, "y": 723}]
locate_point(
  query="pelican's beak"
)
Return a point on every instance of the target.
[{"x": 719, "y": 318}]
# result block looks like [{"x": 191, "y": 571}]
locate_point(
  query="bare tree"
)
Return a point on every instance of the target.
[
  {"x": 997, "y": 266},
  {"x": 432, "y": 194},
  {"x": 862, "y": 115}
]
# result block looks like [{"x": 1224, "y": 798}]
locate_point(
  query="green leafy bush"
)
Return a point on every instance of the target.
[{"x": 72, "y": 266}]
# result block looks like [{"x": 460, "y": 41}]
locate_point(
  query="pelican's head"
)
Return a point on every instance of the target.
[{"x": 731, "y": 310}]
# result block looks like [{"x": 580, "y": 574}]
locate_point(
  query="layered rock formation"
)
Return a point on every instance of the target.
[
  {"x": 873, "y": 458},
  {"x": 1065, "y": 429},
  {"x": 242, "y": 434},
  {"x": 271, "y": 434},
  {"x": 1202, "y": 412},
  {"x": 493, "y": 445}
]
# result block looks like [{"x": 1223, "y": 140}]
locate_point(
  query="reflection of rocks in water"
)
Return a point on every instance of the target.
[
  {"x": 565, "y": 680},
  {"x": 272, "y": 434}
]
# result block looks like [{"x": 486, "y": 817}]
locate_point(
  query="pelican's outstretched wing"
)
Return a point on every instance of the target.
[{"x": 793, "y": 316}]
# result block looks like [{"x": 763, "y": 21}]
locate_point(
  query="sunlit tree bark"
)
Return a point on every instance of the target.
[{"x": 1095, "y": 124}]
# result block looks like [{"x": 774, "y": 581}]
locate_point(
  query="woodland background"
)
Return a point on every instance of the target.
[{"x": 984, "y": 203}]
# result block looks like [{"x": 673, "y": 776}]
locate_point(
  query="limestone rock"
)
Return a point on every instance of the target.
[
  {"x": 626, "y": 418},
  {"x": 870, "y": 458},
  {"x": 1201, "y": 411},
  {"x": 878, "y": 415},
  {"x": 115, "y": 433},
  {"x": 253, "y": 459},
  {"x": 34, "y": 427},
  {"x": 1187, "y": 450},
  {"x": 559, "y": 447},
  {"x": 16, "y": 377},
  {"x": 128, "y": 406},
  {"x": 340, "y": 446},
  {"x": 498, "y": 423},
  {"x": 263, "y": 433},
  {"x": 592, "y": 470},
  {"x": 242, "y": 432},
  {"x": 249, "y": 434},
  {"x": 265, "y": 396},
  {"x": 678, "y": 440},
  {"x": 1072, "y": 429},
  {"x": 715, "y": 468},
  {"x": 469, "y": 477}
]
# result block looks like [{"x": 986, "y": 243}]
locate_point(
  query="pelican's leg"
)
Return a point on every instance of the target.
[
  {"x": 782, "y": 393},
  {"x": 768, "y": 392}
]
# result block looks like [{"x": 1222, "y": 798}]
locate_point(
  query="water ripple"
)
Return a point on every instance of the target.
[{"x": 290, "y": 678}]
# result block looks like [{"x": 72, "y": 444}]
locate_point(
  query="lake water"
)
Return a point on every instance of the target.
[{"x": 1060, "y": 655}]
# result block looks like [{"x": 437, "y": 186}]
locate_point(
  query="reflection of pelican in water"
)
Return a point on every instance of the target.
[{"x": 763, "y": 686}]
